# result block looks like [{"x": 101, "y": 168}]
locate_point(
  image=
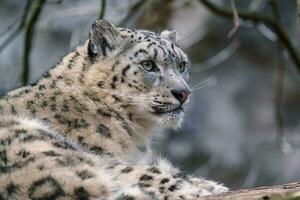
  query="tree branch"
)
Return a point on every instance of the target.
[
  {"x": 280, "y": 192},
  {"x": 277, "y": 29},
  {"x": 236, "y": 22},
  {"x": 29, "y": 32},
  {"x": 279, "y": 85},
  {"x": 102, "y": 9}
]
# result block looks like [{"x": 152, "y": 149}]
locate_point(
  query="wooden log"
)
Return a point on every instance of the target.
[{"x": 290, "y": 191}]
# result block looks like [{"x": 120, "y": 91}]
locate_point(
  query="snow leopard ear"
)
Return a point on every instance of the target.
[
  {"x": 171, "y": 35},
  {"x": 104, "y": 38}
]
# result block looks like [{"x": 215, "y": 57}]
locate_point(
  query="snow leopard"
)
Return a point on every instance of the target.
[{"x": 82, "y": 130}]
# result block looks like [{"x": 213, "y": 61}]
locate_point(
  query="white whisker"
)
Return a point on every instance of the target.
[{"x": 211, "y": 81}]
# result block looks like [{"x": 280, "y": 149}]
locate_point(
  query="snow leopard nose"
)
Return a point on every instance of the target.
[{"x": 181, "y": 95}]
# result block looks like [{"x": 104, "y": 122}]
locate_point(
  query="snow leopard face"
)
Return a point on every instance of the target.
[{"x": 147, "y": 69}]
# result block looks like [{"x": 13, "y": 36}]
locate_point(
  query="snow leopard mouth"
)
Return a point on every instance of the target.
[{"x": 161, "y": 111}]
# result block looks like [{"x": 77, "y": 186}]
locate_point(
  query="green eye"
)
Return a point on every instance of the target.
[
  {"x": 181, "y": 67},
  {"x": 149, "y": 65}
]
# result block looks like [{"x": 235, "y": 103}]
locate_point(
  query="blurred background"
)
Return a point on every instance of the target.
[{"x": 243, "y": 124}]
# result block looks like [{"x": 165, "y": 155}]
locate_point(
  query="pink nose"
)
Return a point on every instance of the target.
[{"x": 181, "y": 95}]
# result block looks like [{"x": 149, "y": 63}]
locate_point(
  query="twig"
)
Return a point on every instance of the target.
[
  {"x": 236, "y": 22},
  {"x": 265, "y": 31},
  {"x": 218, "y": 58},
  {"x": 252, "y": 174},
  {"x": 20, "y": 27},
  {"x": 278, "y": 101},
  {"x": 281, "y": 34},
  {"x": 279, "y": 86},
  {"x": 102, "y": 9},
  {"x": 29, "y": 32}
]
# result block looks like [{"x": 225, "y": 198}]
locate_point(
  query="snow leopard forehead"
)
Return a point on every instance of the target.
[
  {"x": 162, "y": 45},
  {"x": 107, "y": 41}
]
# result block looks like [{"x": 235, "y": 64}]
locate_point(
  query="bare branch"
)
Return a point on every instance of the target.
[
  {"x": 102, "y": 9},
  {"x": 279, "y": 87},
  {"x": 265, "y": 31},
  {"x": 281, "y": 34},
  {"x": 279, "y": 192},
  {"x": 29, "y": 32},
  {"x": 219, "y": 58},
  {"x": 278, "y": 101},
  {"x": 236, "y": 22}
]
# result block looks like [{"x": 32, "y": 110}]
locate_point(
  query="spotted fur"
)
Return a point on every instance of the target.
[{"x": 81, "y": 131}]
